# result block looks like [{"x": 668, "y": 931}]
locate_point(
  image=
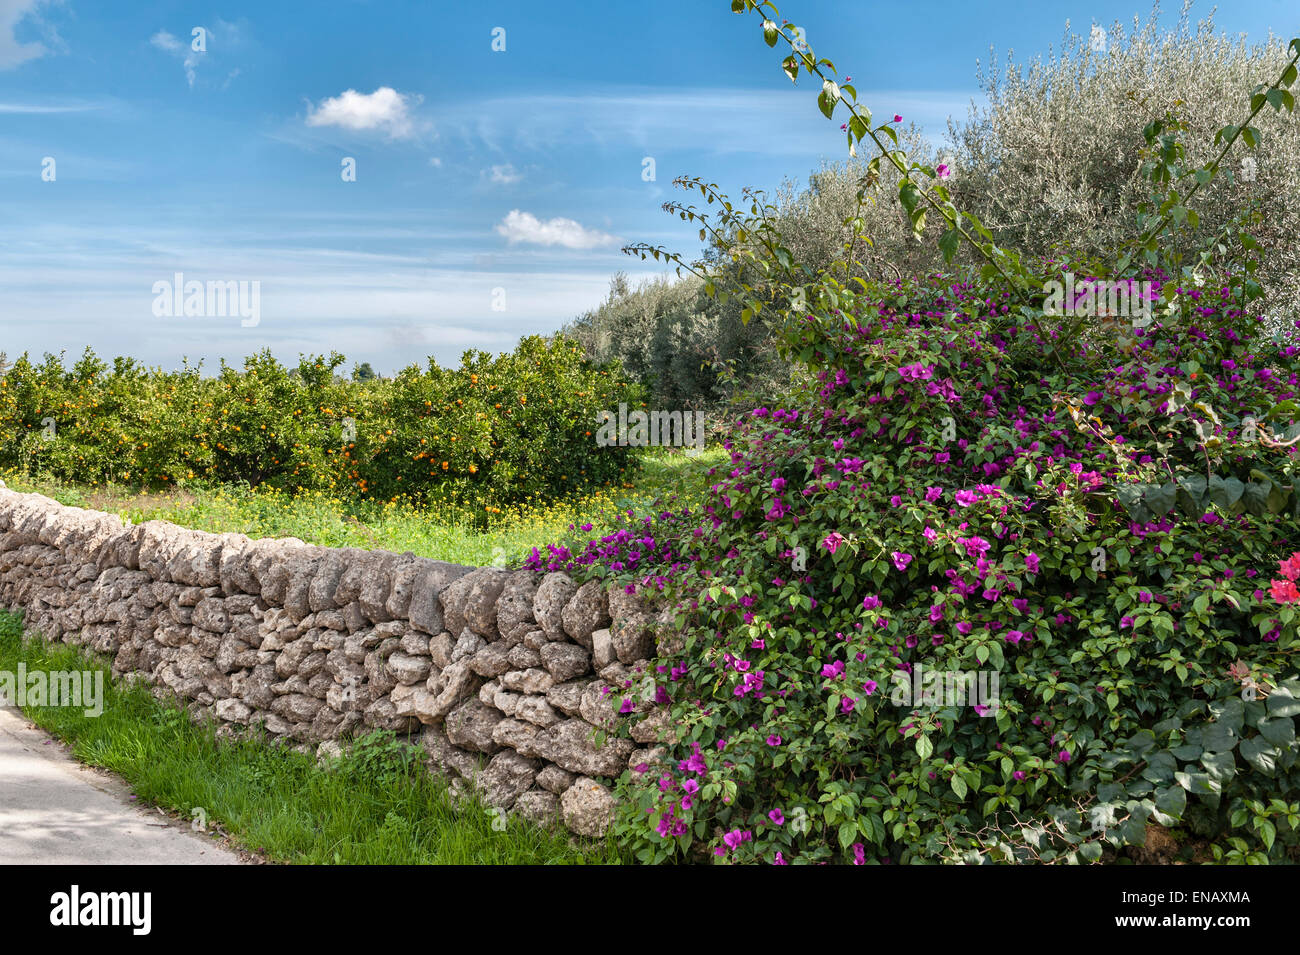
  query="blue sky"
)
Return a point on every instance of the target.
[{"x": 476, "y": 170}]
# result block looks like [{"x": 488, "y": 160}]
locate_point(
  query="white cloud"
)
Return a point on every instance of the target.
[
  {"x": 385, "y": 109},
  {"x": 435, "y": 162},
  {"x": 13, "y": 53},
  {"x": 167, "y": 42},
  {"x": 505, "y": 175},
  {"x": 525, "y": 227}
]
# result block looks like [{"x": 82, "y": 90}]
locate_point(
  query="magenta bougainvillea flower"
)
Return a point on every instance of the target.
[{"x": 833, "y": 541}]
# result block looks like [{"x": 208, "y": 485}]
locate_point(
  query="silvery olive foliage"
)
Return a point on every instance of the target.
[
  {"x": 1054, "y": 161},
  {"x": 1054, "y": 165}
]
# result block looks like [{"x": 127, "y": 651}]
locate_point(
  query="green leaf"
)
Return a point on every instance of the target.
[
  {"x": 1280, "y": 731},
  {"x": 1221, "y": 766},
  {"x": 1255, "y": 498},
  {"x": 1225, "y": 492},
  {"x": 909, "y": 195},
  {"x": 1260, "y": 754},
  {"x": 1160, "y": 500},
  {"x": 1172, "y": 802},
  {"x": 848, "y": 833},
  {"x": 1218, "y": 738},
  {"x": 958, "y": 786},
  {"x": 949, "y": 242},
  {"x": 1198, "y": 783},
  {"x": 1282, "y": 702}
]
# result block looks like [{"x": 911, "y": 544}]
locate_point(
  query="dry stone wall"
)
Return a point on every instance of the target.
[{"x": 506, "y": 676}]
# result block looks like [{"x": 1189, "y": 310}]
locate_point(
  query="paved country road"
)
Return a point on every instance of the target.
[{"x": 54, "y": 811}]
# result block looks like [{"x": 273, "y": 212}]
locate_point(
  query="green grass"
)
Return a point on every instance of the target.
[
  {"x": 438, "y": 529},
  {"x": 378, "y": 805}
]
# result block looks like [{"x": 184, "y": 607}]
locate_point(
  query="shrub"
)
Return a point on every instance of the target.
[
  {"x": 498, "y": 429},
  {"x": 965, "y": 484},
  {"x": 1002, "y": 546}
]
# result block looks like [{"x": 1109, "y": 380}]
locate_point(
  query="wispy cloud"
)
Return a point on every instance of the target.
[
  {"x": 173, "y": 45},
  {"x": 223, "y": 36},
  {"x": 505, "y": 175},
  {"x": 49, "y": 107},
  {"x": 660, "y": 121},
  {"x": 520, "y": 226},
  {"x": 13, "y": 53}
]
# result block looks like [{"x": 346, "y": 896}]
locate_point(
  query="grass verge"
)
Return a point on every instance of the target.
[{"x": 378, "y": 805}]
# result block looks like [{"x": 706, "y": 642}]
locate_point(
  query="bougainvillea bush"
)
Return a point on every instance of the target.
[{"x": 1111, "y": 536}]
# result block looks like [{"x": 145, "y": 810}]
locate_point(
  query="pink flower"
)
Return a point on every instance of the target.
[
  {"x": 870, "y": 602},
  {"x": 1284, "y": 591},
  {"x": 777, "y": 817},
  {"x": 1031, "y": 563},
  {"x": 943, "y": 171},
  {"x": 1291, "y": 566},
  {"x": 897, "y": 118},
  {"x": 774, "y": 740},
  {"x": 833, "y": 541},
  {"x": 847, "y": 704},
  {"x": 901, "y": 559}
]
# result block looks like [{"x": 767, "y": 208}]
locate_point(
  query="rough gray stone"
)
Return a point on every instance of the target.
[
  {"x": 470, "y": 726},
  {"x": 588, "y": 808},
  {"x": 553, "y": 593}
]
